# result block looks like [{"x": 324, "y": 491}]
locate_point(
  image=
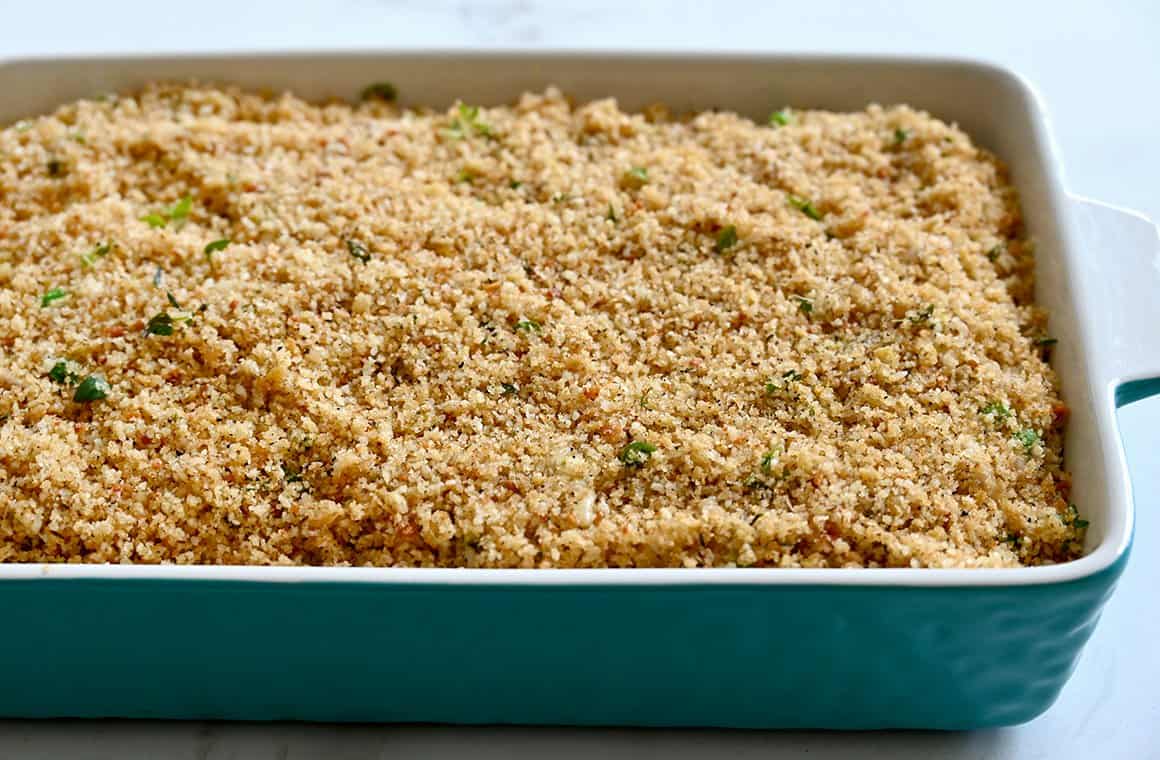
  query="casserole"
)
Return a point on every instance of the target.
[{"x": 754, "y": 648}]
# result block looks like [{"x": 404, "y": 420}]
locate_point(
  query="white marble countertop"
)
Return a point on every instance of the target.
[{"x": 1094, "y": 63}]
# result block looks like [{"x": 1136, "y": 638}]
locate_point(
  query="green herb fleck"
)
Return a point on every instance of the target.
[
  {"x": 55, "y": 168},
  {"x": 996, "y": 409},
  {"x": 172, "y": 301},
  {"x": 515, "y": 184},
  {"x": 158, "y": 275},
  {"x": 62, "y": 373},
  {"x": 90, "y": 258},
  {"x": 726, "y": 238},
  {"x": 78, "y": 138},
  {"x": 1028, "y": 438},
  {"x": 805, "y": 206},
  {"x": 509, "y": 389},
  {"x": 380, "y": 91},
  {"x": 358, "y": 250},
  {"x": 1046, "y": 341},
  {"x": 1012, "y": 539},
  {"x": 465, "y": 175},
  {"x": 611, "y": 215},
  {"x": 922, "y": 315},
  {"x": 528, "y": 325},
  {"x": 467, "y": 122},
  {"x": 217, "y": 245},
  {"x": 636, "y": 453},
  {"x": 92, "y": 388},
  {"x": 900, "y": 135},
  {"x": 1072, "y": 518},
  {"x": 782, "y": 117},
  {"x": 22, "y": 126},
  {"x": 776, "y": 386},
  {"x": 635, "y": 178},
  {"x": 178, "y": 212},
  {"x": 154, "y": 220},
  {"x": 995, "y": 252},
  {"x": 160, "y": 324},
  {"x": 806, "y": 305},
  {"x": 767, "y": 461},
  {"x": 52, "y": 296}
]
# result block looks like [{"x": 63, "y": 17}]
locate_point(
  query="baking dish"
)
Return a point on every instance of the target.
[{"x": 710, "y": 647}]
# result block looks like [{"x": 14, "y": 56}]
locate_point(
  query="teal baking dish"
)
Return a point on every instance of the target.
[{"x": 755, "y": 648}]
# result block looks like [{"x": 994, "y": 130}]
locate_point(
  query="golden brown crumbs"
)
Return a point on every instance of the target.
[{"x": 543, "y": 335}]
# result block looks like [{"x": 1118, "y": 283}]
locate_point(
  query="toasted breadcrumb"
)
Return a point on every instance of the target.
[{"x": 544, "y": 335}]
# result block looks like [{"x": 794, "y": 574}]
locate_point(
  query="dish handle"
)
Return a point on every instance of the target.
[{"x": 1130, "y": 275}]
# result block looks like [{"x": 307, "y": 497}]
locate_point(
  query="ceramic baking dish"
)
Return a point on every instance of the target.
[{"x": 711, "y": 647}]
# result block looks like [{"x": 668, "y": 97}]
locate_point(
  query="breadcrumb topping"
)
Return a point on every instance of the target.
[{"x": 243, "y": 328}]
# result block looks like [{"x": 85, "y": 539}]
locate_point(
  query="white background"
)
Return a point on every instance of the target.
[{"x": 1096, "y": 65}]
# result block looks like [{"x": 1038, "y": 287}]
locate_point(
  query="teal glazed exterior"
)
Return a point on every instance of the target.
[
  {"x": 739, "y": 656},
  {"x": 752, "y": 648}
]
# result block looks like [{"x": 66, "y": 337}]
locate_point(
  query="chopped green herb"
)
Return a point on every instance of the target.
[
  {"x": 781, "y": 118},
  {"x": 90, "y": 258},
  {"x": 726, "y": 238},
  {"x": 515, "y": 184},
  {"x": 775, "y": 386},
  {"x": 358, "y": 250},
  {"x": 380, "y": 91},
  {"x": 78, "y": 138},
  {"x": 635, "y": 178},
  {"x": 636, "y": 453},
  {"x": 754, "y": 483},
  {"x": 155, "y": 220},
  {"x": 181, "y": 209},
  {"x": 22, "y": 126},
  {"x": 900, "y": 135},
  {"x": 1072, "y": 518},
  {"x": 217, "y": 245},
  {"x": 805, "y": 206},
  {"x": 611, "y": 215},
  {"x": 996, "y": 409},
  {"x": 55, "y": 168},
  {"x": 528, "y": 325},
  {"x": 52, "y": 296},
  {"x": 158, "y": 275},
  {"x": 291, "y": 474},
  {"x": 62, "y": 373},
  {"x": 995, "y": 252},
  {"x": 561, "y": 197},
  {"x": 509, "y": 389},
  {"x": 467, "y": 122},
  {"x": 1028, "y": 438},
  {"x": 1046, "y": 341},
  {"x": 465, "y": 175},
  {"x": 172, "y": 301},
  {"x": 1012, "y": 539},
  {"x": 160, "y": 324},
  {"x": 922, "y": 315},
  {"x": 806, "y": 305},
  {"x": 767, "y": 462},
  {"x": 92, "y": 388}
]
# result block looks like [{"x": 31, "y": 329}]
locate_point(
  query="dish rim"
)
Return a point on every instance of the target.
[{"x": 1111, "y": 551}]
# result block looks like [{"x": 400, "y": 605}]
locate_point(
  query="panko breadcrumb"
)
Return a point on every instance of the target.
[{"x": 543, "y": 335}]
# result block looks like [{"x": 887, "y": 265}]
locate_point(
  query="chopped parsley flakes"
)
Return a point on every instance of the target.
[
  {"x": 509, "y": 389},
  {"x": 922, "y": 315},
  {"x": 99, "y": 252},
  {"x": 995, "y": 252},
  {"x": 781, "y": 117},
  {"x": 1028, "y": 438},
  {"x": 467, "y": 123},
  {"x": 52, "y": 296},
  {"x": 996, "y": 410},
  {"x": 528, "y": 325},
  {"x": 726, "y": 238},
  {"x": 92, "y": 388},
  {"x": 805, "y": 206},
  {"x": 806, "y": 305},
  {"x": 776, "y": 386},
  {"x": 636, "y": 453},
  {"x": 380, "y": 91},
  {"x": 217, "y": 245},
  {"x": 62, "y": 373},
  {"x": 358, "y": 250},
  {"x": 1072, "y": 518},
  {"x": 900, "y": 135},
  {"x": 178, "y": 213}
]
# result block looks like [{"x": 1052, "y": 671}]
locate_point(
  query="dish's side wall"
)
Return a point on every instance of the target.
[{"x": 755, "y": 657}]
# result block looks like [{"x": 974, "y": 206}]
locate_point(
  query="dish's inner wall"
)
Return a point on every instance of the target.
[{"x": 989, "y": 104}]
